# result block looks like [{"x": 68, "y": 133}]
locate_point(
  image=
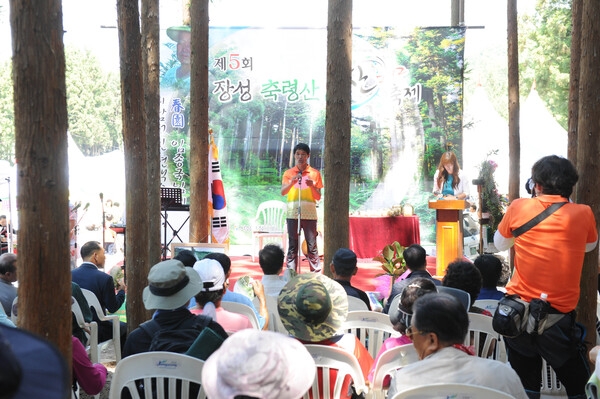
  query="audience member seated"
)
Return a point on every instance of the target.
[
  {"x": 186, "y": 257},
  {"x": 170, "y": 287},
  {"x": 401, "y": 316},
  {"x": 31, "y": 367},
  {"x": 89, "y": 277},
  {"x": 416, "y": 261},
  {"x": 8, "y": 275},
  {"x": 230, "y": 296},
  {"x": 312, "y": 308},
  {"x": 464, "y": 275},
  {"x": 210, "y": 296},
  {"x": 91, "y": 377},
  {"x": 438, "y": 328},
  {"x": 343, "y": 267},
  {"x": 271, "y": 259},
  {"x": 255, "y": 364},
  {"x": 490, "y": 268}
]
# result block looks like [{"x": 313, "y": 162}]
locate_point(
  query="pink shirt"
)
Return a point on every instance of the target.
[
  {"x": 230, "y": 321},
  {"x": 91, "y": 377}
]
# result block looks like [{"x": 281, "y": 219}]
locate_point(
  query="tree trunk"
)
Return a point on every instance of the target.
[
  {"x": 588, "y": 148},
  {"x": 40, "y": 109},
  {"x": 514, "y": 141},
  {"x": 199, "y": 213},
  {"x": 576, "y": 7},
  {"x": 337, "y": 128},
  {"x": 134, "y": 139},
  {"x": 151, "y": 60}
]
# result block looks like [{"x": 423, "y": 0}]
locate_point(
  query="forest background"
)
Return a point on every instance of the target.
[{"x": 94, "y": 99}]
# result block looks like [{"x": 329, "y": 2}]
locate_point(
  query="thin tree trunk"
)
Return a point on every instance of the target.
[
  {"x": 151, "y": 60},
  {"x": 40, "y": 109},
  {"x": 514, "y": 141},
  {"x": 199, "y": 213},
  {"x": 588, "y": 149},
  {"x": 576, "y": 7},
  {"x": 337, "y": 128},
  {"x": 134, "y": 139}
]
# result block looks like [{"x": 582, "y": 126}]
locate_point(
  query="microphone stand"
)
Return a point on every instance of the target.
[
  {"x": 299, "y": 218},
  {"x": 103, "y": 226}
]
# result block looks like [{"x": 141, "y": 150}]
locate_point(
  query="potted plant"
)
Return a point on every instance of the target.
[
  {"x": 393, "y": 265},
  {"x": 491, "y": 201}
]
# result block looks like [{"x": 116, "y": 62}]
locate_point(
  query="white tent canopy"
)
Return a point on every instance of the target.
[{"x": 540, "y": 135}]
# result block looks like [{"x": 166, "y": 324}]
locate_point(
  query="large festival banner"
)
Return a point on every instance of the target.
[{"x": 267, "y": 93}]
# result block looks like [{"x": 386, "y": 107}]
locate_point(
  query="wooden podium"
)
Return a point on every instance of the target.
[{"x": 449, "y": 232}]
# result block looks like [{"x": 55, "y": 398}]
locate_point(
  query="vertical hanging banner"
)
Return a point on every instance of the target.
[{"x": 217, "y": 205}]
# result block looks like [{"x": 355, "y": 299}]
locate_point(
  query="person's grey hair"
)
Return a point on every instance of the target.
[{"x": 441, "y": 314}]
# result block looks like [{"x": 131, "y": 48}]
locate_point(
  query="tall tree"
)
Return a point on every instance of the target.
[
  {"x": 151, "y": 62},
  {"x": 514, "y": 144},
  {"x": 588, "y": 149},
  {"x": 132, "y": 100},
  {"x": 337, "y": 127},
  {"x": 199, "y": 214},
  {"x": 41, "y": 150},
  {"x": 576, "y": 9}
]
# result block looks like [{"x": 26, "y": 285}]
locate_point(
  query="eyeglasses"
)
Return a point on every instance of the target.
[{"x": 410, "y": 332}]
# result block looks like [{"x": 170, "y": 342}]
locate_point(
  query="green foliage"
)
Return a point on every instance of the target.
[
  {"x": 93, "y": 104},
  {"x": 545, "y": 38},
  {"x": 7, "y": 119},
  {"x": 435, "y": 58}
]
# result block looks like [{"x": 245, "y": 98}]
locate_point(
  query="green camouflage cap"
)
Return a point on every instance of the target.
[
  {"x": 312, "y": 307},
  {"x": 173, "y": 31}
]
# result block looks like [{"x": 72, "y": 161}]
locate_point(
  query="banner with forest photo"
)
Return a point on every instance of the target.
[{"x": 267, "y": 93}]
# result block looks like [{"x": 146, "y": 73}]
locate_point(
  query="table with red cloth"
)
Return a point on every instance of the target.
[{"x": 369, "y": 235}]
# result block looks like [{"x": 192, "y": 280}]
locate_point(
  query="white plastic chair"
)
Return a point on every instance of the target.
[
  {"x": 371, "y": 328},
  {"x": 486, "y": 342},
  {"x": 487, "y": 304},
  {"x": 269, "y": 223},
  {"x": 551, "y": 385},
  {"x": 459, "y": 391},
  {"x": 94, "y": 303},
  {"x": 390, "y": 361},
  {"x": 331, "y": 358},
  {"x": 275, "y": 323},
  {"x": 166, "y": 369},
  {"x": 92, "y": 336},
  {"x": 355, "y": 304},
  {"x": 14, "y": 310},
  {"x": 245, "y": 310}
]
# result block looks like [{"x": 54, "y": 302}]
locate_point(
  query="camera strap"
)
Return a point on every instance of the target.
[{"x": 547, "y": 212}]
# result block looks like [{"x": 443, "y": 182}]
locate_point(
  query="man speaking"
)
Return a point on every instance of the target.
[{"x": 302, "y": 184}]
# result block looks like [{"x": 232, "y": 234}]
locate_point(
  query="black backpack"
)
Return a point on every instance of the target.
[{"x": 178, "y": 339}]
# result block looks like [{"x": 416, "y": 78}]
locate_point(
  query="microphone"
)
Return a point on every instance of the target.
[{"x": 101, "y": 197}]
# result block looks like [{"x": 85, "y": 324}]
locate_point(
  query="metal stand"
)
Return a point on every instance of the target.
[
  {"x": 299, "y": 259},
  {"x": 170, "y": 200}
]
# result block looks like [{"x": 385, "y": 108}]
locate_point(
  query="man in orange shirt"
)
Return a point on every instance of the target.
[
  {"x": 302, "y": 184},
  {"x": 548, "y": 263}
]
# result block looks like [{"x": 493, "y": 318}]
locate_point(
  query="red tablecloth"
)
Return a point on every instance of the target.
[{"x": 368, "y": 235}]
